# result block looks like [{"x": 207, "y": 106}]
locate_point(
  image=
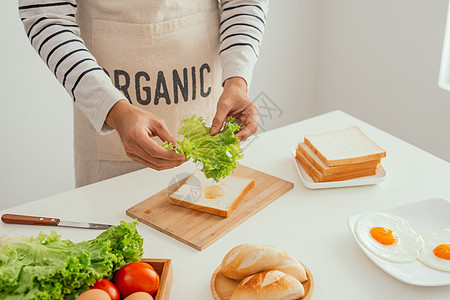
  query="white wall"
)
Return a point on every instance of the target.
[
  {"x": 379, "y": 61},
  {"x": 36, "y": 155},
  {"x": 286, "y": 69}
]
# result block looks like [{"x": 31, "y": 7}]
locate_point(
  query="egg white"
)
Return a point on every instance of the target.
[
  {"x": 432, "y": 240},
  {"x": 404, "y": 250}
]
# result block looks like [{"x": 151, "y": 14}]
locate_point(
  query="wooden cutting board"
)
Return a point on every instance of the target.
[{"x": 199, "y": 229}]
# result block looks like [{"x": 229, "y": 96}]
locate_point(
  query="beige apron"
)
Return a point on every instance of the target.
[{"x": 162, "y": 55}]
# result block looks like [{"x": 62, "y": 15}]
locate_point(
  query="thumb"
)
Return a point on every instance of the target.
[
  {"x": 160, "y": 129},
  {"x": 219, "y": 119}
]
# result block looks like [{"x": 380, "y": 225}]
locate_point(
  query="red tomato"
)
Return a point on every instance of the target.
[
  {"x": 136, "y": 277},
  {"x": 108, "y": 287}
]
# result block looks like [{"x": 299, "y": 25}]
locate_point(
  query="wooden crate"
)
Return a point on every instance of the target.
[{"x": 164, "y": 269}]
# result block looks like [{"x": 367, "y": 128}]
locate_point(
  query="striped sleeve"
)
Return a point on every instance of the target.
[
  {"x": 242, "y": 24},
  {"x": 53, "y": 32}
]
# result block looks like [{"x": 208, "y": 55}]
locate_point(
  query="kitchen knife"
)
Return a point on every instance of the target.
[{"x": 32, "y": 220}]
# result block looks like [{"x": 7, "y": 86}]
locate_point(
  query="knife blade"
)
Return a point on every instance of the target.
[{"x": 33, "y": 220}]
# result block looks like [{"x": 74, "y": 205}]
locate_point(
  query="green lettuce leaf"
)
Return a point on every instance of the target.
[
  {"x": 46, "y": 267},
  {"x": 218, "y": 153}
]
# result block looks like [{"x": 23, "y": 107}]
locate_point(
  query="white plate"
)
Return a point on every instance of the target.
[
  {"x": 309, "y": 183},
  {"x": 424, "y": 216}
]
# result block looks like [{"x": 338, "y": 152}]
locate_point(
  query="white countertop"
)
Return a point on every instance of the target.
[{"x": 311, "y": 225}]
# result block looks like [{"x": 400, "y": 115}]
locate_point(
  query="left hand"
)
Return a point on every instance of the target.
[{"x": 234, "y": 102}]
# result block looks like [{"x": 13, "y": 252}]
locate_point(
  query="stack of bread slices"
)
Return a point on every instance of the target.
[{"x": 339, "y": 155}]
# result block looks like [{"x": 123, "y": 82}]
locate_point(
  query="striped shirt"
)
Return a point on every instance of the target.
[{"x": 53, "y": 32}]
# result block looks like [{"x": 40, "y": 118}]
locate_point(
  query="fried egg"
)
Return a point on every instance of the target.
[
  {"x": 388, "y": 237},
  {"x": 436, "y": 250}
]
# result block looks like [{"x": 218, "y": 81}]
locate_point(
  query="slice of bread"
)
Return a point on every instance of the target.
[
  {"x": 316, "y": 176},
  {"x": 326, "y": 170},
  {"x": 205, "y": 195},
  {"x": 345, "y": 146}
]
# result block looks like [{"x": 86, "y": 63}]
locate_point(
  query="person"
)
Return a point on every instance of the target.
[{"x": 135, "y": 68}]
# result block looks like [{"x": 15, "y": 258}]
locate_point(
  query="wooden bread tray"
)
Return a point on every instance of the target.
[{"x": 222, "y": 287}]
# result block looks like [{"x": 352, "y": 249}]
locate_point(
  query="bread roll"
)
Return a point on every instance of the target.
[
  {"x": 248, "y": 259},
  {"x": 270, "y": 285},
  {"x": 291, "y": 266}
]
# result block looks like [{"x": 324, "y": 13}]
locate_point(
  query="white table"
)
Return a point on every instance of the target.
[{"x": 311, "y": 225}]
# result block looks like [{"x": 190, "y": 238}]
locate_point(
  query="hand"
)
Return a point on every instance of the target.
[
  {"x": 135, "y": 127},
  {"x": 234, "y": 102}
]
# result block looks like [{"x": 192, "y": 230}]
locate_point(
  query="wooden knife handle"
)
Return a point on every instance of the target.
[{"x": 29, "y": 220}]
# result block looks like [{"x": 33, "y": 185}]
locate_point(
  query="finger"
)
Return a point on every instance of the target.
[
  {"x": 249, "y": 129},
  {"x": 160, "y": 129},
  {"x": 249, "y": 123},
  {"x": 158, "y": 153},
  {"x": 152, "y": 162},
  {"x": 221, "y": 115},
  {"x": 147, "y": 163},
  {"x": 137, "y": 159},
  {"x": 155, "y": 150}
]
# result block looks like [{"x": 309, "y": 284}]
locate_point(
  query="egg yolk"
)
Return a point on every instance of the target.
[
  {"x": 442, "y": 251},
  {"x": 383, "y": 235}
]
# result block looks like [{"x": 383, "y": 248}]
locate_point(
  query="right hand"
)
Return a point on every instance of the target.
[{"x": 135, "y": 127}]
